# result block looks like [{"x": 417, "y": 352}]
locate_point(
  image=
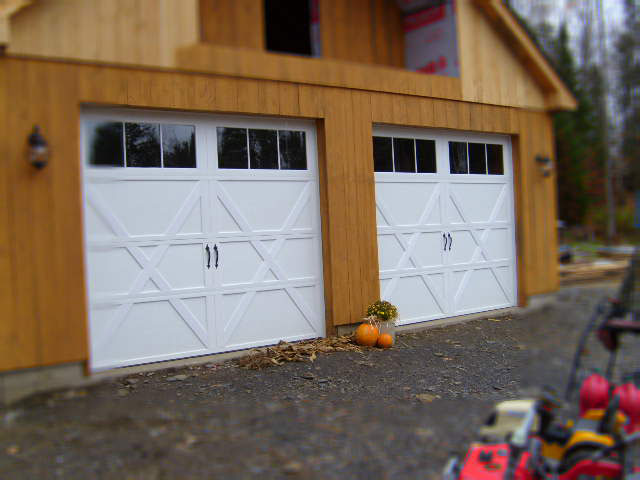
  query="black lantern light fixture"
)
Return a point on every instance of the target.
[
  {"x": 38, "y": 149},
  {"x": 545, "y": 164}
]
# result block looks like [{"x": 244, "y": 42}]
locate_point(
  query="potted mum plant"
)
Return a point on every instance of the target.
[{"x": 383, "y": 315}]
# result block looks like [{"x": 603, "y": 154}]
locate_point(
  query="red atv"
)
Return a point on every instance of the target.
[{"x": 522, "y": 441}]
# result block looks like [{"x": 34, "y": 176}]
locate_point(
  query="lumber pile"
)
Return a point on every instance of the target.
[{"x": 592, "y": 271}]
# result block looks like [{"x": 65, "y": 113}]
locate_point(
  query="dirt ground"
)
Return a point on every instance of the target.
[{"x": 394, "y": 414}]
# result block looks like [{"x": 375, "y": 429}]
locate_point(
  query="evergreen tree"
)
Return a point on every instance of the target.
[
  {"x": 628, "y": 98},
  {"x": 571, "y": 130}
]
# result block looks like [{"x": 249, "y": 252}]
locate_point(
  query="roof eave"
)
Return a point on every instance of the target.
[{"x": 558, "y": 96}]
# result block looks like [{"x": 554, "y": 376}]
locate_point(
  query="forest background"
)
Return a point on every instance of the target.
[{"x": 595, "y": 46}]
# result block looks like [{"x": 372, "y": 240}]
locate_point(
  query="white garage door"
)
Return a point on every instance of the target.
[
  {"x": 202, "y": 234},
  {"x": 446, "y": 236}
]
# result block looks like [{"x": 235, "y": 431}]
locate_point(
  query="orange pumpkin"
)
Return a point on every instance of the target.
[
  {"x": 385, "y": 340},
  {"x": 366, "y": 335}
]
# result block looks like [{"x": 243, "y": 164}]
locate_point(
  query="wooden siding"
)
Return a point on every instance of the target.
[
  {"x": 364, "y": 31},
  {"x": 229, "y": 61},
  {"x": 141, "y": 32},
  {"x": 490, "y": 70},
  {"x": 356, "y": 36},
  {"x": 41, "y": 240},
  {"x": 234, "y": 23}
]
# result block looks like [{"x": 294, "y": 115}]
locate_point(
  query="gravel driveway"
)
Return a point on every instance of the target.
[{"x": 393, "y": 414}]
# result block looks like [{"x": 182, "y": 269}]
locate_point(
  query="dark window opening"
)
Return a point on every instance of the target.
[
  {"x": 404, "y": 156},
  {"x": 142, "y": 144},
  {"x": 232, "y": 148},
  {"x": 106, "y": 148},
  {"x": 263, "y": 148},
  {"x": 293, "y": 150},
  {"x": 426, "y": 156},
  {"x": 477, "y": 160},
  {"x": 382, "y": 154},
  {"x": 458, "y": 157},
  {"x": 494, "y": 159},
  {"x": 288, "y": 26},
  {"x": 178, "y": 146}
]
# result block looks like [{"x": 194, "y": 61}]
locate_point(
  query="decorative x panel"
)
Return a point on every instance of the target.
[
  {"x": 480, "y": 240},
  {"x": 409, "y": 247},
  {"x": 268, "y": 262},
  {"x": 148, "y": 264}
]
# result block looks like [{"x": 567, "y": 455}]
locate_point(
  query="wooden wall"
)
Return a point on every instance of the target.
[
  {"x": 365, "y": 31},
  {"x": 41, "y": 241},
  {"x": 490, "y": 70},
  {"x": 141, "y": 32},
  {"x": 361, "y": 32},
  {"x": 233, "y": 23}
]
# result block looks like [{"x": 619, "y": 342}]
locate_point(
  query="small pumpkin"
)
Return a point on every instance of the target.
[
  {"x": 366, "y": 335},
  {"x": 385, "y": 340}
]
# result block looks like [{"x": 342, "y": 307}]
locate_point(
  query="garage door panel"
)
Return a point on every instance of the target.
[
  {"x": 182, "y": 266},
  {"x": 429, "y": 248},
  {"x": 464, "y": 248},
  {"x": 421, "y": 296},
  {"x": 240, "y": 263},
  {"x": 408, "y": 203},
  {"x": 389, "y": 252},
  {"x": 475, "y": 202},
  {"x": 499, "y": 243},
  {"x": 264, "y": 206},
  {"x": 191, "y": 255},
  {"x": 296, "y": 258},
  {"x": 148, "y": 207},
  {"x": 96, "y": 226},
  {"x": 454, "y": 224},
  {"x": 265, "y": 316},
  {"x": 111, "y": 271},
  {"x": 150, "y": 330},
  {"x": 478, "y": 289}
]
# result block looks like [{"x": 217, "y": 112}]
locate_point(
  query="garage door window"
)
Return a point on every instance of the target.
[
  {"x": 475, "y": 158},
  {"x": 404, "y": 155},
  {"x": 135, "y": 145},
  {"x": 261, "y": 149}
]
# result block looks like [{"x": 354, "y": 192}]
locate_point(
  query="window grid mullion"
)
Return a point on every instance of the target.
[
  {"x": 124, "y": 143},
  {"x": 161, "y": 149},
  {"x": 248, "y": 149},
  {"x": 393, "y": 157},
  {"x": 278, "y": 147}
]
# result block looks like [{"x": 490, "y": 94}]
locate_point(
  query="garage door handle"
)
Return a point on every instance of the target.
[
  {"x": 444, "y": 237},
  {"x": 208, "y": 256},
  {"x": 215, "y": 249},
  {"x": 450, "y": 242}
]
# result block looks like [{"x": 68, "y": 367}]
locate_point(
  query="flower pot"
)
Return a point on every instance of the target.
[{"x": 388, "y": 326}]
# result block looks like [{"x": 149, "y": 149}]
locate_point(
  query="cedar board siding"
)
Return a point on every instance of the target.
[
  {"x": 364, "y": 31},
  {"x": 358, "y": 37},
  {"x": 43, "y": 294}
]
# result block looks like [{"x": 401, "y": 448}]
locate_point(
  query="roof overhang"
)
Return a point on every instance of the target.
[{"x": 558, "y": 95}]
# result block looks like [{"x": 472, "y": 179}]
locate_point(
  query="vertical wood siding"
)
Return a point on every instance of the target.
[
  {"x": 367, "y": 32},
  {"x": 41, "y": 242},
  {"x": 141, "y": 32},
  {"x": 234, "y": 23},
  {"x": 490, "y": 70}
]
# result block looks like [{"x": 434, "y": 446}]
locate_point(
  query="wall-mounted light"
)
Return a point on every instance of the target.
[
  {"x": 38, "y": 149},
  {"x": 545, "y": 164}
]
